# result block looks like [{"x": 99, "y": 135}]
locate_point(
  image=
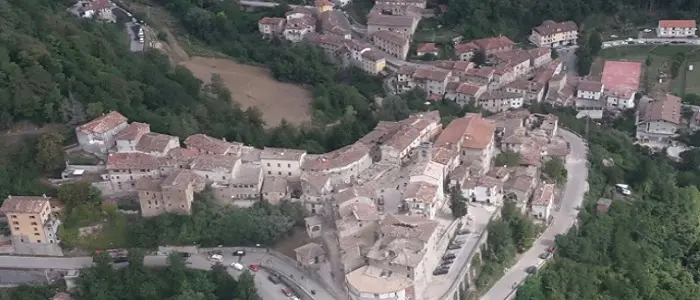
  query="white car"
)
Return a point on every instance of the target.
[
  {"x": 237, "y": 266},
  {"x": 216, "y": 257},
  {"x": 647, "y": 30}
]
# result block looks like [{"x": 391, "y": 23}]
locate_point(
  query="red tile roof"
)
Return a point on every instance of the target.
[
  {"x": 271, "y": 21},
  {"x": 466, "y": 47},
  {"x": 668, "y": 109},
  {"x": 550, "y": 27},
  {"x": 132, "y": 160},
  {"x": 472, "y": 131},
  {"x": 677, "y": 24},
  {"x": 103, "y": 123},
  {"x": 427, "y": 48},
  {"x": 493, "y": 43},
  {"x": 134, "y": 131}
]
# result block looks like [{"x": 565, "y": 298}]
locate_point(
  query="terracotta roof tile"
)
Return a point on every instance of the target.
[
  {"x": 133, "y": 132},
  {"x": 24, "y": 204},
  {"x": 550, "y": 27},
  {"x": 132, "y": 160},
  {"x": 103, "y": 123},
  {"x": 678, "y": 24},
  {"x": 212, "y": 145}
]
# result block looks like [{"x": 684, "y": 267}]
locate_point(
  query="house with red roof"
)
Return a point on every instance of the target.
[
  {"x": 676, "y": 28},
  {"x": 99, "y": 134},
  {"x": 427, "y": 48}
]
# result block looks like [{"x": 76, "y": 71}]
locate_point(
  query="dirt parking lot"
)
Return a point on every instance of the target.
[{"x": 254, "y": 86}]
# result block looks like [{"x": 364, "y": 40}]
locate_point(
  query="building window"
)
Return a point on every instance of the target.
[
  {"x": 279, "y": 165},
  {"x": 269, "y": 172},
  {"x": 289, "y": 165},
  {"x": 33, "y": 223},
  {"x": 279, "y": 173},
  {"x": 51, "y": 241},
  {"x": 36, "y": 229},
  {"x": 36, "y": 233},
  {"x": 290, "y": 173},
  {"x": 16, "y": 228},
  {"x": 268, "y": 164},
  {"x": 14, "y": 216},
  {"x": 32, "y": 217},
  {"x": 15, "y": 223},
  {"x": 38, "y": 241}
]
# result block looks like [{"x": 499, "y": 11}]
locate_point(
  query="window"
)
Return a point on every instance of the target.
[
  {"x": 289, "y": 165},
  {"x": 36, "y": 229},
  {"x": 223, "y": 177},
  {"x": 51, "y": 241},
  {"x": 33, "y": 223},
  {"x": 15, "y": 223},
  {"x": 278, "y": 165},
  {"x": 14, "y": 216},
  {"x": 32, "y": 217},
  {"x": 16, "y": 228},
  {"x": 290, "y": 173},
  {"x": 36, "y": 233},
  {"x": 268, "y": 164},
  {"x": 279, "y": 173},
  {"x": 269, "y": 173},
  {"x": 38, "y": 241}
]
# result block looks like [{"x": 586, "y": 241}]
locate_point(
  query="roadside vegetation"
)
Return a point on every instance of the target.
[{"x": 646, "y": 246}]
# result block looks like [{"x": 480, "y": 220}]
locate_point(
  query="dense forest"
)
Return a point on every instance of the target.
[
  {"x": 136, "y": 282},
  {"x": 647, "y": 246},
  {"x": 515, "y": 18}
]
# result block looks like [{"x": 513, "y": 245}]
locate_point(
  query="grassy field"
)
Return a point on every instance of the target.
[{"x": 659, "y": 68}]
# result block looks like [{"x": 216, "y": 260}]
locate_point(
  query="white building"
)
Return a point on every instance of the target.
[
  {"x": 342, "y": 166},
  {"x": 542, "y": 202},
  {"x": 98, "y": 135},
  {"x": 483, "y": 189},
  {"x": 676, "y": 28},
  {"x": 554, "y": 34},
  {"x": 589, "y": 90},
  {"x": 215, "y": 168},
  {"x": 282, "y": 162},
  {"x": 657, "y": 120}
]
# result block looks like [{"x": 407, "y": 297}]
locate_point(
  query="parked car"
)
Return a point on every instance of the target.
[
  {"x": 216, "y": 257},
  {"x": 449, "y": 256},
  {"x": 551, "y": 249},
  {"x": 453, "y": 247},
  {"x": 237, "y": 266},
  {"x": 254, "y": 268},
  {"x": 531, "y": 270},
  {"x": 274, "y": 279},
  {"x": 545, "y": 255},
  {"x": 463, "y": 231},
  {"x": 447, "y": 262},
  {"x": 239, "y": 253},
  {"x": 287, "y": 292},
  {"x": 441, "y": 271}
]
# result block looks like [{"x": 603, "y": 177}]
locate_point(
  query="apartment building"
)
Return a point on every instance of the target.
[
  {"x": 243, "y": 189},
  {"x": 498, "y": 101},
  {"x": 300, "y": 21},
  {"x": 658, "y": 119},
  {"x": 483, "y": 189},
  {"x": 480, "y": 76},
  {"x": 493, "y": 45},
  {"x": 282, "y": 162},
  {"x": 676, "y": 28},
  {"x": 532, "y": 91},
  {"x": 342, "y": 166},
  {"x": 335, "y": 23},
  {"x": 270, "y": 27},
  {"x": 392, "y": 43},
  {"x": 402, "y": 20},
  {"x": 400, "y": 262},
  {"x": 372, "y": 62},
  {"x": 542, "y": 202},
  {"x": 215, "y": 168},
  {"x": 274, "y": 189},
  {"x": 315, "y": 190},
  {"x": 123, "y": 169},
  {"x": 554, "y": 34},
  {"x": 458, "y": 67},
  {"x": 128, "y": 137},
  {"x": 205, "y": 144},
  {"x": 465, "y": 51},
  {"x": 474, "y": 137},
  {"x": 464, "y": 93},
  {"x": 98, "y": 135},
  {"x": 432, "y": 80},
  {"x": 589, "y": 90},
  {"x": 33, "y": 228},
  {"x": 172, "y": 194}
]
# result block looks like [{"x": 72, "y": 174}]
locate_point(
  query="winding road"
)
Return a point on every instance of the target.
[
  {"x": 564, "y": 218},
  {"x": 266, "y": 289}
]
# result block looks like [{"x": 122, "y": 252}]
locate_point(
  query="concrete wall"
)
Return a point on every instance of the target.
[{"x": 24, "y": 248}]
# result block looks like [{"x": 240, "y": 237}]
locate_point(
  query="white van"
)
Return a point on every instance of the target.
[{"x": 237, "y": 266}]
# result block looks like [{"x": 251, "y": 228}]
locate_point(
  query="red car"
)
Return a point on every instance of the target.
[
  {"x": 551, "y": 249},
  {"x": 254, "y": 268},
  {"x": 286, "y": 292}
]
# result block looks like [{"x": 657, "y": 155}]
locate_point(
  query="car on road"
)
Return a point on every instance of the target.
[
  {"x": 287, "y": 292},
  {"x": 447, "y": 262},
  {"x": 254, "y": 268},
  {"x": 449, "y": 256},
  {"x": 647, "y": 30},
  {"x": 216, "y": 257},
  {"x": 274, "y": 279},
  {"x": 463, "y": 231},
  {"x": 239, "y": 253},
  {"x": 531, "y": 270},
  {"x": 545, "y": 255},
  {"x": 237, "y": 266},
  {"x": 454, "y": 247},
  {"x": 441, "y": 271}
]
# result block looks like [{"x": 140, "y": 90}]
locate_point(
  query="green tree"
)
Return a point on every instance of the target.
[
  {"x": 508, "y": 158},
  {"x": 50, "y": 154},
  {"x": 555, "y": 170},
  {"x": 458, "y": 204},
  {"x": 479, "y": 58}
]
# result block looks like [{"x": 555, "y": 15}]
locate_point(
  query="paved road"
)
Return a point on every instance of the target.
[
  {"x": 577, "y": 168},
  {"x": 651, "y": 41},
  {"x": 266, "y": 289}
]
